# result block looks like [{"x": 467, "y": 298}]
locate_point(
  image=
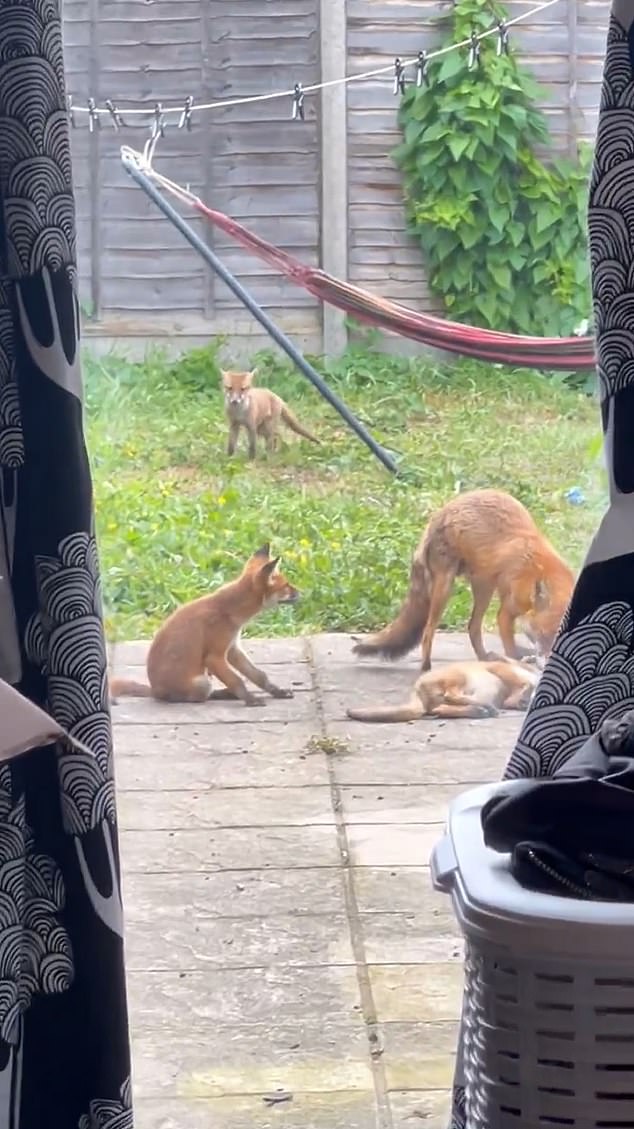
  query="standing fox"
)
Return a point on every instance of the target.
[
  {"x": 489, "y": 538},
  {"x": 466, "y": 689},
  {"x": 203, "y": 638},
  {"x": 258, "y": 411}
]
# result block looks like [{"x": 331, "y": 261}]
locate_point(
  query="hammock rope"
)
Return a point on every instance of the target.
[{"x": 556, "y": 353}]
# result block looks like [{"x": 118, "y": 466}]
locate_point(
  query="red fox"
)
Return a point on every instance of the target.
[
  {"x": 466, "y": 689},
  {"x": 258, "y": 411},
  {"x": 203, "y": 638},
  {"x": 491, "y": 539}
]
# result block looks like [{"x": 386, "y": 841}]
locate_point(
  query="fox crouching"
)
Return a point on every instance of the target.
[
  {"x": 202, "y": 639},
  {"x": 258, "y": 411},
  {"x": 491, "y": 539},
  {"x": 466, "y": 689}
]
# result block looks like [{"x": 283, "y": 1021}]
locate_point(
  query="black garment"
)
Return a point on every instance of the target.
[
  {"x": 572, "y": 834},
  {"x": 64, "y": 1053}
]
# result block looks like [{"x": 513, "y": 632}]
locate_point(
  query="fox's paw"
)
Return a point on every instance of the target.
[
  {"x": 486, "y": 711},
  {"x": 525, "y": 698},
  {"x": 280, "y": 692}
]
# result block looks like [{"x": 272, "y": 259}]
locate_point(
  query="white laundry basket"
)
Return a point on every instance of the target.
[{"x": 548, "y": 1019}]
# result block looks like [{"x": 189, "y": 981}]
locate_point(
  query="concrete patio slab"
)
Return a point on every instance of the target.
[
  {"x": 161, "y": 898},
  {"x": 289, "y": 965},
  {"x": 336, "y": 1110},
  {"x": 226, "y": 807}
]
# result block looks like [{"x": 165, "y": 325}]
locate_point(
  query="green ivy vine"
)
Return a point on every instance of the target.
[{"x": 503, "y": 232}]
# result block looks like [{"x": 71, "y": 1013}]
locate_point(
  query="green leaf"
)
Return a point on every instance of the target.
[
  {"x": 541, "y": 272},
  {"x": 545, "y": 217},
  {"x": 412, "y": 132},
  {"x": 517, "y": 259},
  {"x": 582, "y": 272},
  {"x": 498, "y": 214},
  {"x": 457, "y": 146},
  {"x": 452, "y": 64},
  {"x": 516, "y": 232},
  {"x": 436, "y": 131},
  {"x": 469, "y": 236},
  {"x": 500, "y": 274},
  {"x": 487, "y": 306}
]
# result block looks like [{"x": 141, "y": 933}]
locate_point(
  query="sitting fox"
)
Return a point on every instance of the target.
[
  {"x": 203, "y": 638},
  {"x": 258, "y": 411},
  {"x": 466, "y": 689},
  {"x": 491, "y": 539}
]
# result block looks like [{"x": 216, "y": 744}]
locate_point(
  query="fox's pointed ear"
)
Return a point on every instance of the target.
[
  {"x": 541, "y": 595},
  {"x": 269, "y": 568},
  {"x": 253, "y": 373},
  {"x": 264, "y": 552}
]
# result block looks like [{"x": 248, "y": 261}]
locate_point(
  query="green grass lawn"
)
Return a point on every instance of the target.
[{"x": 176, "y": 517}]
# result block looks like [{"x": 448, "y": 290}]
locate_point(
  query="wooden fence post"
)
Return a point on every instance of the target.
[
  {"x": 573, "y": 77},
  {"x": 94, "y": 166},
  {"x": 334, "y": 165}
]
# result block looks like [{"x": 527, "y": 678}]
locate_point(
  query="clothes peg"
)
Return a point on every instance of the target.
[
  {"x": 399, "y": 77},
  {"x": 115, "y": 116},
  {"x": 158, "y": 124},
  {"x": 474, "y": 52},
  {"x": 94, "y": 120},
  {"x": 502, "y": 47},
  {"x": 185, "y": 121},
  {"x": 298, "y": 103},
  {"x": 422, "y": 69}
]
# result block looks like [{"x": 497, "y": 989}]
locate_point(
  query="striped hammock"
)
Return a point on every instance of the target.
[{"x": 561, "y": 353}]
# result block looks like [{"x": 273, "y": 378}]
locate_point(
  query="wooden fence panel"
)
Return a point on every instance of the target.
[{"x": 253, "y": 161}]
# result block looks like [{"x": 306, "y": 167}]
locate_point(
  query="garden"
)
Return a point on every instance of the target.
[{"x": 176, "y": 516}]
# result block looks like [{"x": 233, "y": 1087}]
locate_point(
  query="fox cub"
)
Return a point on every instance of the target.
[
  {"x": 258, "y": 411},
  {"x": 202, "y": 639}
]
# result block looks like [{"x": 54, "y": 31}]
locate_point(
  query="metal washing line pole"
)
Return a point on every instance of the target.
[{"x": 132, "y": 163}]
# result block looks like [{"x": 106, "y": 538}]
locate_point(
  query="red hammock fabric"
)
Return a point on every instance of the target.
[{"x": 564, "y": 353}]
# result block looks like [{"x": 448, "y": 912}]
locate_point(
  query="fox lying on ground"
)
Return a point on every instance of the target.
[
  {"x": 258, "y": 411},
  {"x": 491, "y": 539},
  {"x": 203, "y": 638},
  {"x": 465, "y": 689}
]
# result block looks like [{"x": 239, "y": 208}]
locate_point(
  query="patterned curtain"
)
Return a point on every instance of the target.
[
  {"x": 64, "y": 1053},
  {"x": 590, "y": 674}
]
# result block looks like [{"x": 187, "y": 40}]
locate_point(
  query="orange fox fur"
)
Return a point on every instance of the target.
[
  {"x": 466, "y": 689},
  {"x": 258, "y": 411},
  {"x": 203, "y": 638},
  {"x": 489, "y": 538}
]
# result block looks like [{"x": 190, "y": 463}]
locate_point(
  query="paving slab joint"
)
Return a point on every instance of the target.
[{"x": 375, "y": 1042}]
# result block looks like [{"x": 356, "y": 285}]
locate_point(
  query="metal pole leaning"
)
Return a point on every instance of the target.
[{"x": 144, "y": 181}]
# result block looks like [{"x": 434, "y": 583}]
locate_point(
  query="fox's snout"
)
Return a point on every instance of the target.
[
  {"x": 288, "y": 595},
  {"x": 235, "y": 397}
]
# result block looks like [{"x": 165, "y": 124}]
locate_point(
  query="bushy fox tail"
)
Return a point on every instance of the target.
[
  {"x": 292, "y": 421},
  {"x": 404, "y": 633},
  {"x": 128, "y": 688},
  {"x": 410, "y": 711}
]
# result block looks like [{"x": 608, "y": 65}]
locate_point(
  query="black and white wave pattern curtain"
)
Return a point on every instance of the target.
[
  {"x": 64, "y": 1054},
  {"x": 590, "y": 674}
]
